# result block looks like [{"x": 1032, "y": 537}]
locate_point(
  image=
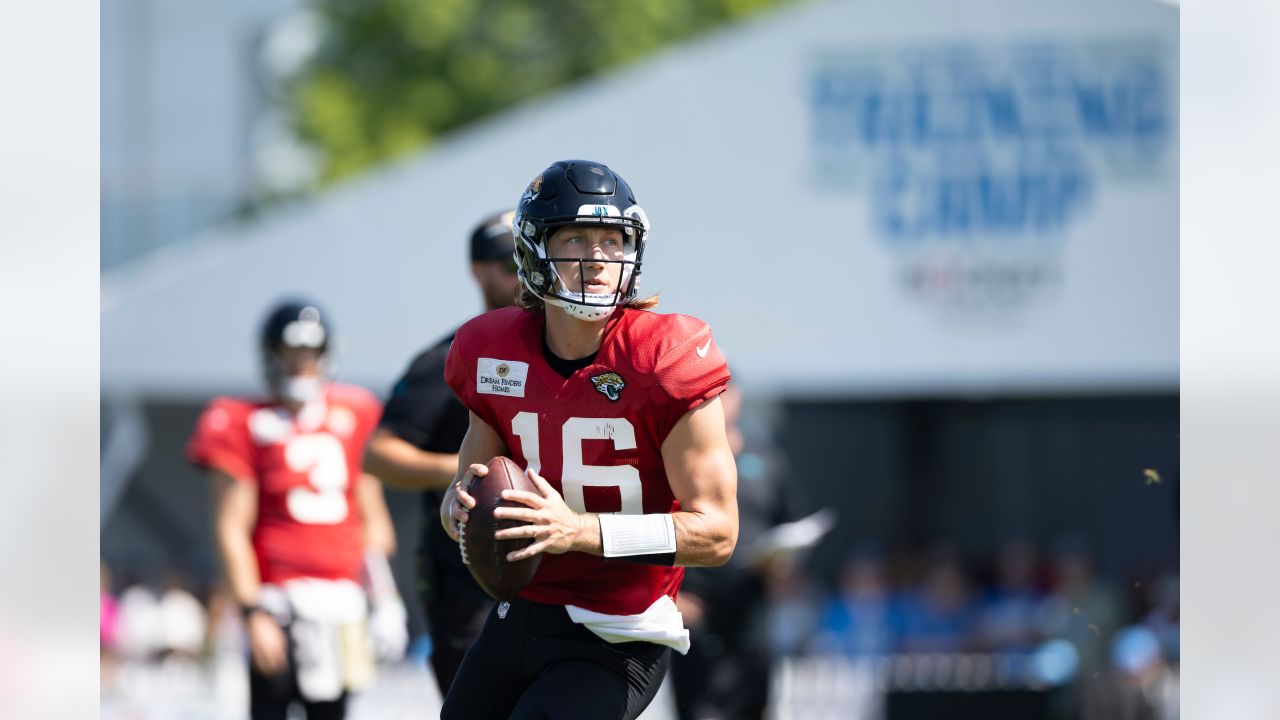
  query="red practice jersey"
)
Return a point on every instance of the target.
[
  {"x": 306, "y": 469},
  {"x": 597, "y": 436}
]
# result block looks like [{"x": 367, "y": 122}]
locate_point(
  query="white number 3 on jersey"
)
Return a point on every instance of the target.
[{"x": 324, "y": 462}]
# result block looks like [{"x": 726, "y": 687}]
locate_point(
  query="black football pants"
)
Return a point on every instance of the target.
[
  {"x": 537, "y": 664},
  {"x": 456, "y": 618}
]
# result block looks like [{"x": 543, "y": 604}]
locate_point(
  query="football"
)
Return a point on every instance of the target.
[{"x": 484, "y": 556}]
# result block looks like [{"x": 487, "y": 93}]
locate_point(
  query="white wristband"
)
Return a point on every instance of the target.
[{"x": 627, "y": 535}]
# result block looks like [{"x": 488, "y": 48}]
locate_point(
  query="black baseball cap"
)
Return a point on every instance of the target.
[{"x": 492, "y": 239}]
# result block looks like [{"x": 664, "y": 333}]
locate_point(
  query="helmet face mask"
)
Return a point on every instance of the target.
[{"x": 578, "y": 192}]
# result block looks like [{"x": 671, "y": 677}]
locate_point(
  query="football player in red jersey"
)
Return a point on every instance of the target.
[
  {"x": 615, "y": 413},
  {"x": 302, "y": 532}
]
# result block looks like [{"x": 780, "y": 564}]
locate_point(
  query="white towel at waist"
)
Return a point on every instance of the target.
[
  {"x": 661, "y": 624},
  {"x": 333, "y": 601}
]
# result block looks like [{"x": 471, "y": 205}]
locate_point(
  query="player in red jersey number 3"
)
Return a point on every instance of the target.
[
  {"x": 303, "y": 534},
  {"x": 614, "y": 411}
]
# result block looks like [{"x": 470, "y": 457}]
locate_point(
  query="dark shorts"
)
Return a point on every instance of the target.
[{"x": 537, "y": 663}]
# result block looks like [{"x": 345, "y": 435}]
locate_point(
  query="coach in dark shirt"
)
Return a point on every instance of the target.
[{"x": 416, "y": 447}]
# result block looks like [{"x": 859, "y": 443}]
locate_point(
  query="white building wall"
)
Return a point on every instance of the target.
[{"x": 772, "y": 219}]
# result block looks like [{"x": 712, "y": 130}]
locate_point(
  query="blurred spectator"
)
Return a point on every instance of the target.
[
  {"x": 792, "y": 614},
  {"x": 938, "y": 616},
  {"x": 1163, "y": 619},
  {"x": 858, "y": 622},
  {"x": 140, "y": 624},
  {"x": 1135, "y": 652},
  {"x": 156, "y": 625},
  {"x": 108, "y": 624},
  {"x": 108, "y": 612},
  {"x": 1143, "y": 686},
  {"x": 1081, "y": 608},
  {"x": 182, "y": 619},
  {"x": 1007, "y": 618}
]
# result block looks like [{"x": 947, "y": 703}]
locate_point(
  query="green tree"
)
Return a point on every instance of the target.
[{"x": 390, "y": 76}]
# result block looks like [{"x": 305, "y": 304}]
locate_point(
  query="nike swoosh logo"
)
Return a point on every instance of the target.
[{"x": 702, "y": 351}]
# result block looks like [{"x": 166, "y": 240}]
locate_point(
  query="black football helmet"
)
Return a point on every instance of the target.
[
  {"x": 291, "y": 324},
  {"x": 577, "y": 192}
]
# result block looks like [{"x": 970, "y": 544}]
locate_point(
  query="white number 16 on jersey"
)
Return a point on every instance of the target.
[{"x": 575, "y": 475}]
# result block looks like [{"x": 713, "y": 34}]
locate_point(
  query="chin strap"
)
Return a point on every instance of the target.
[{"x": 580, "y": 311}]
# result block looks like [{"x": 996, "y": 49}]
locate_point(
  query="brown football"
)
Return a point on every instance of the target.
[{"x": 485, "y": 556}]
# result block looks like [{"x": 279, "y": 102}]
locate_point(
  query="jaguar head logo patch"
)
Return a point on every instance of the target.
[
  {"x": 609, "y": 384},
  {"x": 532, "y": 191}
]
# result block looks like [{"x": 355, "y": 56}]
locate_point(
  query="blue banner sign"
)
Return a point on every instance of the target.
[
  {"x": 974, "y": 160},
  {"x": 957, "y": 142}
]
